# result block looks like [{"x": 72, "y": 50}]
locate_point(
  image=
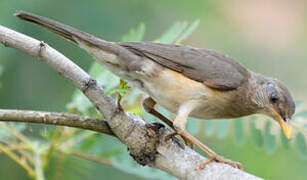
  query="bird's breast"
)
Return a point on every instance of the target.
[{"x": 170, "y": 89}]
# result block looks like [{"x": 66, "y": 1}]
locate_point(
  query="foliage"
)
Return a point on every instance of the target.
[{"x": 35, "y": 155}]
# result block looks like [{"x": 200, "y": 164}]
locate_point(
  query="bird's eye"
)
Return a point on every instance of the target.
[
  {"x": 271, "y": 86},
  {"x": 274, "y": 98}
]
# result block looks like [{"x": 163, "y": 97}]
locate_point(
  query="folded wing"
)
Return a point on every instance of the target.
[{"x": 214, "y": 69}]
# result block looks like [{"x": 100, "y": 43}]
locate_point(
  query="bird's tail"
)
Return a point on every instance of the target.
[
  {"x": 68, "y": 32},
  {"x": 111, "y": 54}
]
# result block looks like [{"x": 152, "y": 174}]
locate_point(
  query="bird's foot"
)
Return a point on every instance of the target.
[
  {"x": 189, "y": 140},
  {"x": 186, "y": 141},
  {"x": 179, "y": 131},
  {"x": 220, "y": 159},
  {"x": 212, "y": 156}
]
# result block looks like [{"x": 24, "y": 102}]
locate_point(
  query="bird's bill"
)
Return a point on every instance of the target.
[{"x": 285, "y": 126}]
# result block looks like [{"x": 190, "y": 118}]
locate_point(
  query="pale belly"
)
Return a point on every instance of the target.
[{"x": 171, "y": 89}]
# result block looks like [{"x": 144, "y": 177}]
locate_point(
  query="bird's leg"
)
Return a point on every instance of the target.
[
  {"x": 149, "y": 105},
  {"x": 179, "y": 126},
  {"x": 212, "y": 156},
  {"x": 180, "y": 122}
]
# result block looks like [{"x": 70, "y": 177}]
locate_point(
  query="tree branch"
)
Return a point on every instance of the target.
[
  {"x": 62, "y": 119},
  {"x": 143, "y": 140}
]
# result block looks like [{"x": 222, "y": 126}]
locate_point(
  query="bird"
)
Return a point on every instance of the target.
[{"x": 185, "y": 80}]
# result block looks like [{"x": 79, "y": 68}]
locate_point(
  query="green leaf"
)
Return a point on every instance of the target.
[
  {"x": 123, "y": 88},
  {"x": 209, "y": 127},
  {"x": 188, "y": 31},
  {"x": 269, "y": 139},
  {"x": 136, "y": 34},
  {"x": 173, "y": 33},
  {"x": 223, "y": 128},
  {"x": 123, "y": 85},
  {"x": 256, "y": 133},
  {"x": 301, "y": 144},
  {"x": 239, "y": 133}
]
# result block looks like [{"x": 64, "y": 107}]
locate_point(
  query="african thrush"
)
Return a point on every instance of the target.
[{"x": 185, "y": 80}]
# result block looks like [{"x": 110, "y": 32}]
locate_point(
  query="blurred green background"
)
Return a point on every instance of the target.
[{"x": 267, "y": 36}]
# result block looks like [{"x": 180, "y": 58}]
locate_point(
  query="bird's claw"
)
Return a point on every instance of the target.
[
  {"x": 172, "y": 136},
  {"x": 178, "y": 131}
]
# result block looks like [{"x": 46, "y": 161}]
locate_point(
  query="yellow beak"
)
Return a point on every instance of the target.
[{"x": 286, "y": 128}]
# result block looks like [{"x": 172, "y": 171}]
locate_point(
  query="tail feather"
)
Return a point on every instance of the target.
[
  {"x": 111, "y": 54},
  {"x": 68, "y": 32}
]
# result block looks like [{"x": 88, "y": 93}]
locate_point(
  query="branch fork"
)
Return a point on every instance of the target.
[{"x": 143, "y": 140}]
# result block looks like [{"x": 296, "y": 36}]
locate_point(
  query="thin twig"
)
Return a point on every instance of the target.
[
  {"x": 76, "y": 140},
  {"x": 16, "y": 134},
  {"x": 27, "y": 156},
  {"x": 16, "y": 147},
  {"x": 54, "y": 140},
  {"x": 15, "y": 158},
  {"x": 21, "y": 149},
  {"x": 91, "y": 158},
  {"x": 38, "y": 167}
]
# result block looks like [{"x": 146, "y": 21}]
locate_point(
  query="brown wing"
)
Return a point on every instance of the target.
[{"x": 212, "y": 68}]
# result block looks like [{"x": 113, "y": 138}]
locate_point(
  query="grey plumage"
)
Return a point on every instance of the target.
[{"x": 201, "y": 65}]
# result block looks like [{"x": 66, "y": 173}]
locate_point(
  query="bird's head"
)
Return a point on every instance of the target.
[{"x": 275, "y": 100}]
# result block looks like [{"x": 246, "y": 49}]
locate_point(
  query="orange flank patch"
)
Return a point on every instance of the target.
[{"x": 172, "y": 88}]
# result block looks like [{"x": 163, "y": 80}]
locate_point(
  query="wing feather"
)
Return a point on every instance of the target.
[{"x": 214, "y": 69}]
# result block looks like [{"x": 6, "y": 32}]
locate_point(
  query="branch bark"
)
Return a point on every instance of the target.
[
  {"x": 62, "y": 119},
  {"x": 143, "y": 140}
]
